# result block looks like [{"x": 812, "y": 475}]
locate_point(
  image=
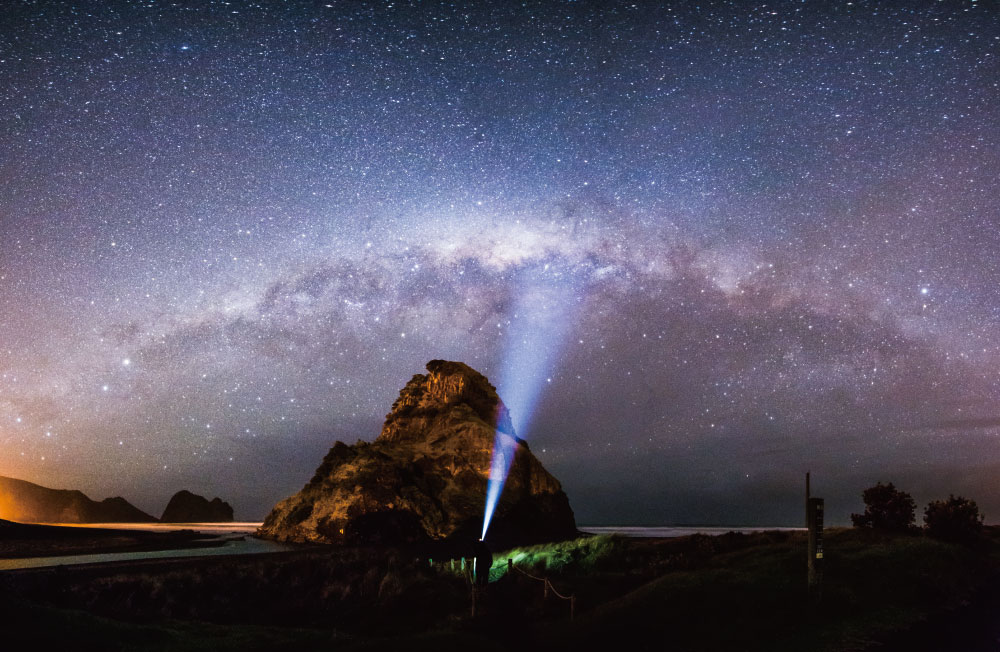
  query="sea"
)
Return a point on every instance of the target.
[
  {"x": 669, "y": 531},
  {"x": 235, "y": 535},
  {"x": 239, "y": 541}
]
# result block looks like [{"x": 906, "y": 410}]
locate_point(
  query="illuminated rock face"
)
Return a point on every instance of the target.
[
  {"x": 186, "y": 507},
  {"x": 424, "y": 477},
  {"x": 31, "y": 503}
]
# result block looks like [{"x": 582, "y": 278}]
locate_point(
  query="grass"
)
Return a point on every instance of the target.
[
  {"x": 578, "y": 555},
  {"x": 29, "y": 626},
  {"x": 756, "y": 598},
  {"x": 729, "y": 592}
]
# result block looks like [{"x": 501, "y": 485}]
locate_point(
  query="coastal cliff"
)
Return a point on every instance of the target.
[
  {"x": 186, "y": 507},
  {"x": 27, "y": 502},
  {"x": 424, "y": 477}
]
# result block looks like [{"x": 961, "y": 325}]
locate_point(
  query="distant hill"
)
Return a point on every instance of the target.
[
  {"x": 31, "y": 503},
  {"x": 186, "y": 507}
]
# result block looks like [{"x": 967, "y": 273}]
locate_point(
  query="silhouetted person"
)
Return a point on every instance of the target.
[{"x": 484, "y": 561}]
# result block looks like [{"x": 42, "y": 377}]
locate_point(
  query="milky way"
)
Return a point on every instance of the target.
[{"x": 745, "y": 241}]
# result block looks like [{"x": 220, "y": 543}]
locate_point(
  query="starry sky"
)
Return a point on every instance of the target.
[{"x": 700, "y": 248}]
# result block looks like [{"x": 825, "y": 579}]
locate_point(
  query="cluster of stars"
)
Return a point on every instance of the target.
[{"x": 726, "y": 242}]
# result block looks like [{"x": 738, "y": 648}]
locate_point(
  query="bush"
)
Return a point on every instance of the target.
[
  {"x": 956, "y": 519},
  {"x": 886, "y": 508},
  {"x": 583, "y": 554}
]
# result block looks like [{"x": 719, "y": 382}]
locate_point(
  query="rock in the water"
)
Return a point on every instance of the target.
[
  {"x": 31, "y": 503},
  {"x": 186, "y": 507},
  {"x": 424, "y": 477}
]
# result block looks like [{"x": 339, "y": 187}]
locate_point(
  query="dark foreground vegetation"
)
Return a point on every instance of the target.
[{"x": 731, "y": 592}]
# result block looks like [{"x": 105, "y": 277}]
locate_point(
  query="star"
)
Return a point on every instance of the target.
[{"x": 717, "y": 233}]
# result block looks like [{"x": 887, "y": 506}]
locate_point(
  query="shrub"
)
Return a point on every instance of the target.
[
  {"x": 956, "y": 519},
  {"x": 584, "y": 554},
  {"x": 886, "y": 508}
]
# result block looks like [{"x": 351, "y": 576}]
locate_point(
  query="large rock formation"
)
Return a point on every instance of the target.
[
  {"x": 27, "y": 502},
  {"x": 186, "y": 507},
  {"x": 424, "y": 478}
]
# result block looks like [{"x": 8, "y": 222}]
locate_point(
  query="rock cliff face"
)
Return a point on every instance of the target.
[
  {"x": 27, "y": 502},
  {"x": 424, "y": 477},
  {"x": 186, "y": 507}
]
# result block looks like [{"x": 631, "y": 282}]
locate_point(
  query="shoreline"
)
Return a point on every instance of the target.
[{"x": 23, "y": 540}]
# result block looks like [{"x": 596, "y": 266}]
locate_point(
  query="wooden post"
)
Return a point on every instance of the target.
[
  {"x": 815, "y": 547},
  {"x": 807, "y": 498},
  {"x": 510, "y": 565},
  {"x": 545, "y": 593}
]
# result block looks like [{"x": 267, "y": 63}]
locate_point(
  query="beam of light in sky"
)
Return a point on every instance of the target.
[{"x": 536, "y": 333}]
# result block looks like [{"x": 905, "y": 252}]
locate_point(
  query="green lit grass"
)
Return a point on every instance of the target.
[{"x": 578, "y": 555}]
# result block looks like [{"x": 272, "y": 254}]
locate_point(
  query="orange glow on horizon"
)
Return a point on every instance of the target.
[{"x": 8, "y": 507}]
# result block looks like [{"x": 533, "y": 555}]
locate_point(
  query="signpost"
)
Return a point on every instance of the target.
[
  {"x": 815, "y": 543},
  {"x": 814, "y": 523}
]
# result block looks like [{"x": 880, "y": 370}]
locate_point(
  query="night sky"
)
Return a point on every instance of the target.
[{"x": 699, "y": 249}]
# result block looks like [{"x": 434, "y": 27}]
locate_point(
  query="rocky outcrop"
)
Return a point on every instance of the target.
[
  {"x": 27, "y": 502},
  {"x": 424, "y": 477},
  {"x": 186, "y": 507}
]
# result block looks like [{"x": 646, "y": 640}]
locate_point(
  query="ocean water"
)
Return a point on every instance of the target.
[
  {"x": 246, "y": 546},
  {"x": 239, "y": 527},
  {"x": 668, "y": 531}
]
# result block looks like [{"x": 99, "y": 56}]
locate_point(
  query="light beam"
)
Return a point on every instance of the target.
[{"x": 535, "y": 336}]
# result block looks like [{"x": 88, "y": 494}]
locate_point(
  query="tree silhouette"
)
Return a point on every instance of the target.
[
  {"x": 886, "y": 508},
  {"x": 956, "y": 519}
]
